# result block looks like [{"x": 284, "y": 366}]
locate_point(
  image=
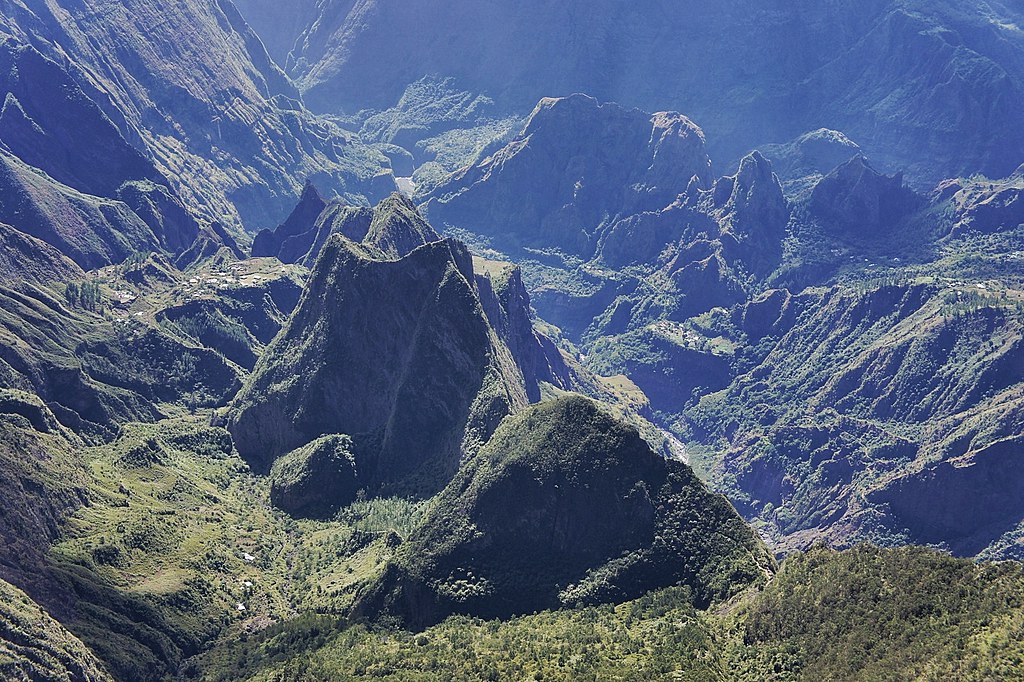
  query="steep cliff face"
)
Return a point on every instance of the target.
[
  {"x": 50, "y": 122},
  {"x": 70, "y": 177},
  {"x": 299, "y": 222},
  {"x": 598, "y": 518},
  {"x": 980, "y": 493},
  {"x": 279, "y": 25},
  {"x": 703, "y": 250},
  {"x": 752, "y": 213},
  {"x": 507, "y": 306},
  {"x": 982, "y": 206},
  {"x": 661, "y": 359},
  {"x": 216, "y": 116},
  {"x": 576, "y": 166},
  {"x": 869, "y": 412},
  {"x": 395, "y": 352}
]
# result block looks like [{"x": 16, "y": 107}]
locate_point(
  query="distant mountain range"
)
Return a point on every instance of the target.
[{"x": 931, "y": 87}]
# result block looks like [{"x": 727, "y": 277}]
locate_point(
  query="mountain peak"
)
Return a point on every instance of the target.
[
  {"x": 310, "y": 193},
  {"x": 394, "y": 226},
  {"x": 598, "y": 517},
  {"x": 398, "y": 228},
  {"x": 309, "y": 207},
  {"x": 856, "y": 200},
  {"x": 577, "y": 166},
  {"x": 394, "y": 352}
]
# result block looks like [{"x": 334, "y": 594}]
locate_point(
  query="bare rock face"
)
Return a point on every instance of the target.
[
  {"x": 964, "y": 503},
  {"x": 576, "y": 166},
  {"x": 280, "y": 24},
  {"x": 50, "y": 122},
  {"x": 598, "y": 517},
  {"x": 69, "y": 176}
]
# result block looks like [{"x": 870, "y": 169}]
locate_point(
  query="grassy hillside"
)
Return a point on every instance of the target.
[
  {"x": 34, "y": 646},
  {"x": 862, "y": 614}
]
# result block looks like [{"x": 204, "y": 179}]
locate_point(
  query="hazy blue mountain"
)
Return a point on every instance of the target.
[
  {"x": 214, "y": 114},
  {"x": 929, "y": 86},
  {"x": 575, "y": 168},
  {"x": 279, "y": 24}
]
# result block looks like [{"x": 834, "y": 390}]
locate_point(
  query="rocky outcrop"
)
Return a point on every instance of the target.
[
  {"x": 598, "y": 518},
  {"x": 751, "y": 212},
  {"x": 507, "y": 306},
  {"x": 770, "y": 314},
  {"x": 294, "y": 230},
  {"x": 397, "y": 228},
  {"x": 744, "y": 215},
  {"x": 212, "y": 242},
  {"x": 964, "y": 503},
  {"x": 983, "y": 206},
  {"x": 314, "y": 480},
  {"x": 576, "y": 167}
]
